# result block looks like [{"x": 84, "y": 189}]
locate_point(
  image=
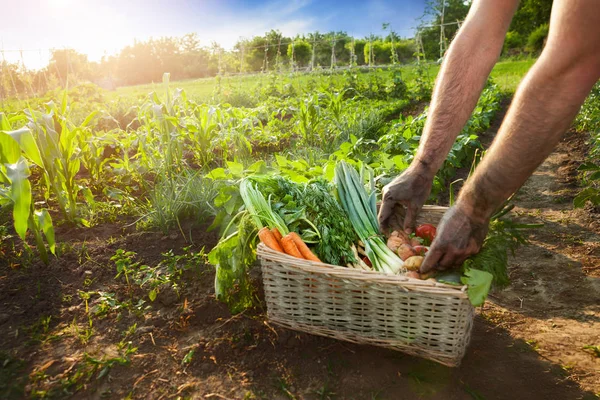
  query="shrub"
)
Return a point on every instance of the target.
[
  {"x": 513, "y": 40},
  {"x": 537, "y": 39}
]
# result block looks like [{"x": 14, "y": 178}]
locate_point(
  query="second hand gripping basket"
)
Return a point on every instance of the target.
[{"x": 422, "y": 318}]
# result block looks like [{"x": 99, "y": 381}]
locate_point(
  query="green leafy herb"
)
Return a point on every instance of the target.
[
  {"x": 478, "y": 283},
  {"x": 232, "y": 257}
]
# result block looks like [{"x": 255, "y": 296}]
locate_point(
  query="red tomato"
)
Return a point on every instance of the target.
[
  {"x": 426, "y": 231},
  {"x": 420, "y": 250}
]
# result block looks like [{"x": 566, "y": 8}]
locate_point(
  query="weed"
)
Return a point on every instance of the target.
[
  {"x": 324, "y": 392},
  {"x": 39, "y": 331},
  {"x": 130, "y": 331},
  {"x": 595, "y": 350}
]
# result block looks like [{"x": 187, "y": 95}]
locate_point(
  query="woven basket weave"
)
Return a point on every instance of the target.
[{"x": 422, "y": 318}]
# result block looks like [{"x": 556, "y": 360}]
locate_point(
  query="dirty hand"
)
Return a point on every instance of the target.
[
  {"x": 403, "y": 198},
  {"x": 460, "y": 234}
]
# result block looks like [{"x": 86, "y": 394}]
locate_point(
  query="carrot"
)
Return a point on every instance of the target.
[
  {"x": 276, "y": 233},
  {"x": 267, "y": 237},
  {"x": 289, "y": 247},
  {"x": 304, "y": 250}
]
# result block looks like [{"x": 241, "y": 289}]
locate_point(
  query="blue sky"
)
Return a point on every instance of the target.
[{"x": 98, "y": 27}]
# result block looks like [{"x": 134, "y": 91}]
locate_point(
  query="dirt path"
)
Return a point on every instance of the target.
[
  {"x": 554, "y": 300},
  {"x": 528, "y": 341}
]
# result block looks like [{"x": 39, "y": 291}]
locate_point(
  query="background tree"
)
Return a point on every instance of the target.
[
  {"x": 436, "y": 11},
  {"x": 302, "y": 52}
]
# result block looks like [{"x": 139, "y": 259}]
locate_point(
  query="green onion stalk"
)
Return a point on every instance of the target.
[{"x": 361, "y": 208}]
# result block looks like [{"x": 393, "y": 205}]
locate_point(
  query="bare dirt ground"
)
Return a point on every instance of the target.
[{"x": 529, "y": 341}]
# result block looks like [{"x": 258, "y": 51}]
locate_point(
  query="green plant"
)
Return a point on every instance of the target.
[
  {"x": 595, "y": 350},
  {"x": 591, "y": 179},
  {"x": 185, "y": 195},
  {"x": 513, "y": 40},
  {"x": 56, "y": 139},
  {"x": 309, "y": 121},
  {"x": 15, "y": 187},
  {"x": 537, "y": 38}
]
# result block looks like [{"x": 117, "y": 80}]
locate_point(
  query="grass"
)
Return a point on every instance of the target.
[{"x": 507, "y": 74}]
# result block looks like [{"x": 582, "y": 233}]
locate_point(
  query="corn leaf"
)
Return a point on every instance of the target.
[{"x": 20, "y": 193}]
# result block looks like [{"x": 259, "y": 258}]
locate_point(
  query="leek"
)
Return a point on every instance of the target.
[{"x": 361, "y": 209}]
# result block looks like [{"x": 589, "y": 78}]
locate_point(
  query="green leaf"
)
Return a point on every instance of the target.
[
  {"x": 9, "y": 149},
  {"x": 259, "y": 167},
  {"x": 294, "y": 176},
  {"x": 20, "y": 193},
  {"x": 235, "y": 168},
  {"x": 89, "y": 119},
  {"x": 588, "y": 166},
  {"x": 400, "y": 162},
  {"x": 44, "y": 221},
  {"x": 217, "y": 173},
  {"x": 281, "y": 160},
  {"x": 450, "y": 278},
  {"x": 478, "y": 285},
  {"x": 152, "y": 295},
  {"x": 188, "y": 358},
  {"x": 590, "y": 193},
  {"x": 329, "y": 171}
]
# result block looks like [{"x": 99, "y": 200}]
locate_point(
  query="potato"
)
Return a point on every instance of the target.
[
  {"x": 405, "y": 251},
  {"x": 413, "y": 274},
  {"x": 394, "y": 242},
  {"x": 413, "y": 263}
]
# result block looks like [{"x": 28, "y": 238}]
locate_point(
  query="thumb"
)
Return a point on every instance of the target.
[{"x": 432, "y": 257}]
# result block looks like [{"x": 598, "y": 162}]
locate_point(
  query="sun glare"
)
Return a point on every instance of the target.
[{"x": 60, "y": 3}]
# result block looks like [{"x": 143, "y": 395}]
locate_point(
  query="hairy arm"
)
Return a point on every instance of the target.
[
  {"x": 543, "y": 109},
  {"x": 544, "y": 106},
  {"x": 460, "y": 81},
  {"x": 462, "y": 77}
]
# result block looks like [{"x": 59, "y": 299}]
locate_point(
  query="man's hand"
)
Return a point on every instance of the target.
[
  {"x": 460, "y": 234},
  {"x": 404, "y": 197}
]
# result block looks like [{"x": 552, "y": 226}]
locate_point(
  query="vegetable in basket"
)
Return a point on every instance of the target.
[
  {"x": 291, "y": 207},
  {"x": 261, "y": 211},
  {"x": 362, "y": 211}
]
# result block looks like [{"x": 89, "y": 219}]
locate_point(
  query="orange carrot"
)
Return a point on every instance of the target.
[
  {"x": 276, "y": 233},
  {"x": 267, "y": 237},
  {"x": 304, "y": 250},
  {"x": 290, "y": 247}
]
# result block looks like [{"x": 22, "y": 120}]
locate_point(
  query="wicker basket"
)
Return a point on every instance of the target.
[{"x": 421, "y": 318}]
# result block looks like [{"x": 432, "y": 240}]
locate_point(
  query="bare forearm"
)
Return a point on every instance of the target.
[
  {"x": 466, "y": 68},
  {"x": 542, "y": 110}
]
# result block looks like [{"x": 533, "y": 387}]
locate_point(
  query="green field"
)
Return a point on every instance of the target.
[{"x": 507, "y": 74}]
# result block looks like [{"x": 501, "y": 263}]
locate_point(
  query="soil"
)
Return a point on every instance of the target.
[{"x": 528, "y": 340}]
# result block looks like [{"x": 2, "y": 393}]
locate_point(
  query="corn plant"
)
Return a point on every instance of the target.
[
  {"x": 15, "y": 187},
  {"x": 58, "y": 151},
  {"x": 202, "y": 127},
  {"x": 309, "y": 120},
  {"x": 232, "y": 140},
  {"x": 160, "y": 136}
]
